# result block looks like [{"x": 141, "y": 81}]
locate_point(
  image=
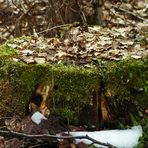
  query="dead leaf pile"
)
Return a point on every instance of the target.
[
  {"x": 123, "y": 34},
  {"x": 54, "y": 125},
  {"x": 81, "y": 46}
]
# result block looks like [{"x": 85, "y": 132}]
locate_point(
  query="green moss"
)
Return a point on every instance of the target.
[
  {"x": 6, "y": 51},
  {"x": 129, "y": 79},
  {"x": 73, "y": 81},
  {"x": 143, "y": 141},
  {"x": 74, "y": 85},
  {"x": 67, "y": 113},
  {"x": 24, "y": 79}
]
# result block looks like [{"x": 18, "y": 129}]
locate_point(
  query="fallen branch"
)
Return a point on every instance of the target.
[
  {"x": 42, "y": 136},
  {"x": 52, "y": 28},
  {"x": 130, "y": 13}
]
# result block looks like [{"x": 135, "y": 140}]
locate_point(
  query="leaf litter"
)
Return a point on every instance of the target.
[
  {"x": 123, "y": 34},
  {"x": 80, "y": 48}
]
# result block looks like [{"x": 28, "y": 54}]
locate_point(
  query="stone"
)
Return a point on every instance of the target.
[
  {"x": 136, "y": 56},
  {"x": 44, "y": 54},
  {"x": 15, "y": 59},
  {"x": 39, "y": 60}
]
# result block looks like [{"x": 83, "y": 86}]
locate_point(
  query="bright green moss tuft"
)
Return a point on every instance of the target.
[{"x": 6, "y": 51}]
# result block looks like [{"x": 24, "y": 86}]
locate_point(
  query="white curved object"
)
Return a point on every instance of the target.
[
  {"x": 37, "y": 117},
  {"x": 127, "y": 138}
]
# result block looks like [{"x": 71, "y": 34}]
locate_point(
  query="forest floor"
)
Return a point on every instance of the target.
[{"x": 124, "y": 34}]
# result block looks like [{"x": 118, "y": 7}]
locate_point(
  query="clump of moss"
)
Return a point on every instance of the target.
[
  {"x": 67, "y": 113},
  {"x": 143, "y": 141},
  {"x": 128, "y": 79},
  {"x": 6, "y": 51},
  {"x": 74, "y": 88},
  {"x": 24, "y": 79},
  {"x": 74, "y": 85}
]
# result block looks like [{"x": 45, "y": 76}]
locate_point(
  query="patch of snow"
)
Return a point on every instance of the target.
[
  {"x": 127, "y": 138},
  {"x": 37, "y": 117}
]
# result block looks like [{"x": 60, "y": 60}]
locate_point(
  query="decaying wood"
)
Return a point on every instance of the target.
[
  {"x": 104, "y": 110},
  {"x": 40, "y": 100},
  {"x": 100, "y": 106},
  {"x": 96, "y": 106}
]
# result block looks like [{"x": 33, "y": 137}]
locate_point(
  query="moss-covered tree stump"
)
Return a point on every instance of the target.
[{"x": 73, "y": 88}]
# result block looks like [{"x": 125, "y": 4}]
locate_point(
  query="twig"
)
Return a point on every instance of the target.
[
  {"x": 3, "y": 118},
  {"x": 98, "y": 142},
  {"x": 57, "y": 137},
  {"x": 37, "y": 145},
  {"x": 52, "y": 28},
  {"x": 131, "y": 13}
]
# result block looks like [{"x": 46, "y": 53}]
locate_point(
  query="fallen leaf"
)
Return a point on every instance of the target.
[
  {"x": 39, "y": 60},
  {"x": 136, "y": 56}
]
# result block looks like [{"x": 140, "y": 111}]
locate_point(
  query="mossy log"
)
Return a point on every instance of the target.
[{"x": 72, "y": 87}]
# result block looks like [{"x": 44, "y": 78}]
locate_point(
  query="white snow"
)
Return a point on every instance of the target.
[
  {"x": 37, "y": 117},
  {"x": 127, "y": 138}
]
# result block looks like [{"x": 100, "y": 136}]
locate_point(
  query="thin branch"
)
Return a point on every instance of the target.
[
  {"x": 97, "y": 142},
  {"x": 52, "y": 28},
  {"x": 38, "y": 145},
  {"x": 3, "y": 118},
  {"x": 57, "y": 137},
  {"x": 131, "y": 13}
]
